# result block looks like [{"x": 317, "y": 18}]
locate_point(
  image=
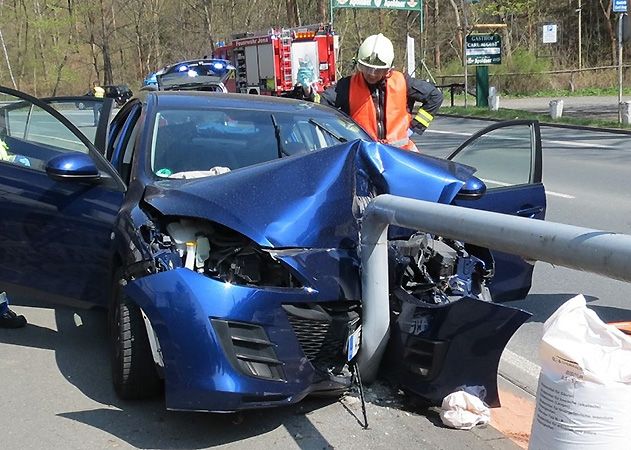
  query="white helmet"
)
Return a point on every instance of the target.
[{"x": 376, "y": 52}]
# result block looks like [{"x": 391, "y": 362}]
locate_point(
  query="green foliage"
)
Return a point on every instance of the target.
[
  {"x": 120, "y": 41},
  {"x": 453, "y": 67},
  {"x": 522, "y": 61},
  {"x": 585, "y": 92},
  {"x": 505, "y": 7},
  {"x": 522, "y": 74}
]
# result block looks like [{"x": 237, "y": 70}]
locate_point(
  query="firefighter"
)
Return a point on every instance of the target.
[{"x": 381, "y": 99}]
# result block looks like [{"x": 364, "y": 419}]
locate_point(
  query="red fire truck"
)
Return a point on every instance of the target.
[{"x": 269, "y": 63}]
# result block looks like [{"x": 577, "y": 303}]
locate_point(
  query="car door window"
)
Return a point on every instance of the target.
[
  {"x": 507, "y": 156},
  {"x": 504, "y": 156},
  {"x": 84, "y": 112},
  {"x": 32, "y": 133},
  {"x": 31, "y": 136}
]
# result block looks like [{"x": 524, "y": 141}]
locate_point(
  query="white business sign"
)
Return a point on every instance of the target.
[
  {"x": 411, "y": 60},
  {"x": 549, "y": 34}
]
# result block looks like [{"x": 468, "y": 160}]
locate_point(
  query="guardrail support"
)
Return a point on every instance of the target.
[{"x": 601, "y": 252}]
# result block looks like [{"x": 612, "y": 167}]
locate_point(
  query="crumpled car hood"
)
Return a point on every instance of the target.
[{"x": 312, "y": 200}]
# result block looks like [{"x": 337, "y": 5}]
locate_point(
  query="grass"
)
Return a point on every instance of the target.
[
  {"x": 584, "y": 92},
  {"x": 511, "y": 114}
]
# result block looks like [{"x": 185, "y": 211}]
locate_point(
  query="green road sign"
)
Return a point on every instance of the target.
[
  {"x": 406, "y": 5},
  {"x": 483, "y": 49}
]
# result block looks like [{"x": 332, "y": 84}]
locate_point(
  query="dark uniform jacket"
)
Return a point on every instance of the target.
[{"x": 420, "y": 91}]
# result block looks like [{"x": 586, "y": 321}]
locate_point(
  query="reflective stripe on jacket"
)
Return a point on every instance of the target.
[
  {"x": 397, "y": 119},
  {"x": 99, "y": 92}
]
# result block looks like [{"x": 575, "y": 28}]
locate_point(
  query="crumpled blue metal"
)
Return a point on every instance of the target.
[{"x": 312, "y": 200}]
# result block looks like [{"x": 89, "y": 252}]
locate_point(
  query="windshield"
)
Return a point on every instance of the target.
[{"x": 190, "y": 144}]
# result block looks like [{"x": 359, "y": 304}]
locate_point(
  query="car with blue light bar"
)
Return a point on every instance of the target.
[
  {"x": 221, "y": 232},
  {"x": 197, "y": 74}
]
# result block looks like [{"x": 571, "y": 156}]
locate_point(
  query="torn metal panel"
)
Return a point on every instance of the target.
[
  {"x": 436, "y": 349},
  {"x": 312, "y": 199}
]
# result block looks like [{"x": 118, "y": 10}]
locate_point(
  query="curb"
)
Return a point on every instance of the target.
[{"x": 546, "y": 124}]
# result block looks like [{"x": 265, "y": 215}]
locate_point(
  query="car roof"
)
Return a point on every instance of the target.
[{"x": 184, "y": 99}]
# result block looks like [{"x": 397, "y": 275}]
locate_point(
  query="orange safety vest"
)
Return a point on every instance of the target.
[{"x": 398, "y": 119}]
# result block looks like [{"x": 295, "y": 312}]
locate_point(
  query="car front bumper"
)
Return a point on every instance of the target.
[{"x": 227, "y": 347}]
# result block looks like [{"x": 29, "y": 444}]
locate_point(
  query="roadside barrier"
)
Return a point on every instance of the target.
[{"x": 601, "y": 252}]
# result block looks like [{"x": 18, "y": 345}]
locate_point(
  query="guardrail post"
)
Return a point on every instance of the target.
[
  {"x": 625, "y": 112},
  {"x": 556, "y": 109}
]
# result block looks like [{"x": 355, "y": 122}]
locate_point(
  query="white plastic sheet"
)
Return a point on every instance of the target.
[
  {"x": 464, "y": 411},
  {"x": 584, "y": 393}
]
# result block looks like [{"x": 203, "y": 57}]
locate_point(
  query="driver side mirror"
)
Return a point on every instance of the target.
[
  {"x": 472, "y": 189},
  {"x": 77, "y": 167}
]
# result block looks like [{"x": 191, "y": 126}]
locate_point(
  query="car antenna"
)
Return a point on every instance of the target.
[{"x": 279, "y": 140}]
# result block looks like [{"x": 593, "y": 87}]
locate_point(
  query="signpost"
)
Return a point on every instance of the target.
[
  {"x": 482, "y": 50},
  {"x": 620, "y": 7},
  {"x": 549, "y": 34},
  {"x": 404, "y": 5}
]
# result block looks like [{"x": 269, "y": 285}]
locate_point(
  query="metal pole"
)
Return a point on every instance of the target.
[
  {"x": 6, "y": 57},
  {"x": 620, "y": 16},
  {"x": 464, "y": 50},
  {"x": 331, "y": 12},
  {"x": 580, "y": 26},
  {"x": 601, "y": 252}
]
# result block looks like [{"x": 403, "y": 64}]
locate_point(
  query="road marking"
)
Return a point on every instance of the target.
[
  {"x": 543, "y": 141},
  {"x": 551, "y": 193},
  {"x": 448, "y": 132},
  {"x": 578, "y": 144}
]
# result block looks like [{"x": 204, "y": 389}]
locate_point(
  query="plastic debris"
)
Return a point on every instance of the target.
[{"x": 464, "y": 411}]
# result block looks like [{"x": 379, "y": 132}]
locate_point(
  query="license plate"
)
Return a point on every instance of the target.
[{"x": 352, "y": 345}]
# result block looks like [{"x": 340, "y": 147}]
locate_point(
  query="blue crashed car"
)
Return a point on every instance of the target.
[{"x": 221, "y": 233}]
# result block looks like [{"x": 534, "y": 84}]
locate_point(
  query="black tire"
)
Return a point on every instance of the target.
[{"x": 134, "y": 372}]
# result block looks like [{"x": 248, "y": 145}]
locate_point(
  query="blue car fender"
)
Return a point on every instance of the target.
[{"x": 199, "y": 368}]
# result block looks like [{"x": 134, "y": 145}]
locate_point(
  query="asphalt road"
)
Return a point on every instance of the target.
[
  {"x": 586, "y": 175},
  {"x": 598, "y": 107}
]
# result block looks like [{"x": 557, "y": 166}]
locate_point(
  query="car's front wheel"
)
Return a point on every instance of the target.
[{"x": 133, "y": 369}]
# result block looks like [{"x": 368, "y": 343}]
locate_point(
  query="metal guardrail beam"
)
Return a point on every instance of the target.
[{"x": 602, "y": 252}]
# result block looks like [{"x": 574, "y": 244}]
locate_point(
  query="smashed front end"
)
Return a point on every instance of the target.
[
  {"x": 240, "y": 326},
  {"x": 253, "y": 296}
]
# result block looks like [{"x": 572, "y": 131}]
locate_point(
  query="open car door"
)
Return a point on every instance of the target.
[
  {"x": 437, "y": 349},
  {"x": 507, "y": 156},
  {"x": 59, "y": 199},
  {"x": 91, "y": 115}
]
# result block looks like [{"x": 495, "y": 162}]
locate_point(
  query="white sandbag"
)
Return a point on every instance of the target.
[
  {"x": 464, "y": 411},
  {"x": 584, "y": 393}
]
